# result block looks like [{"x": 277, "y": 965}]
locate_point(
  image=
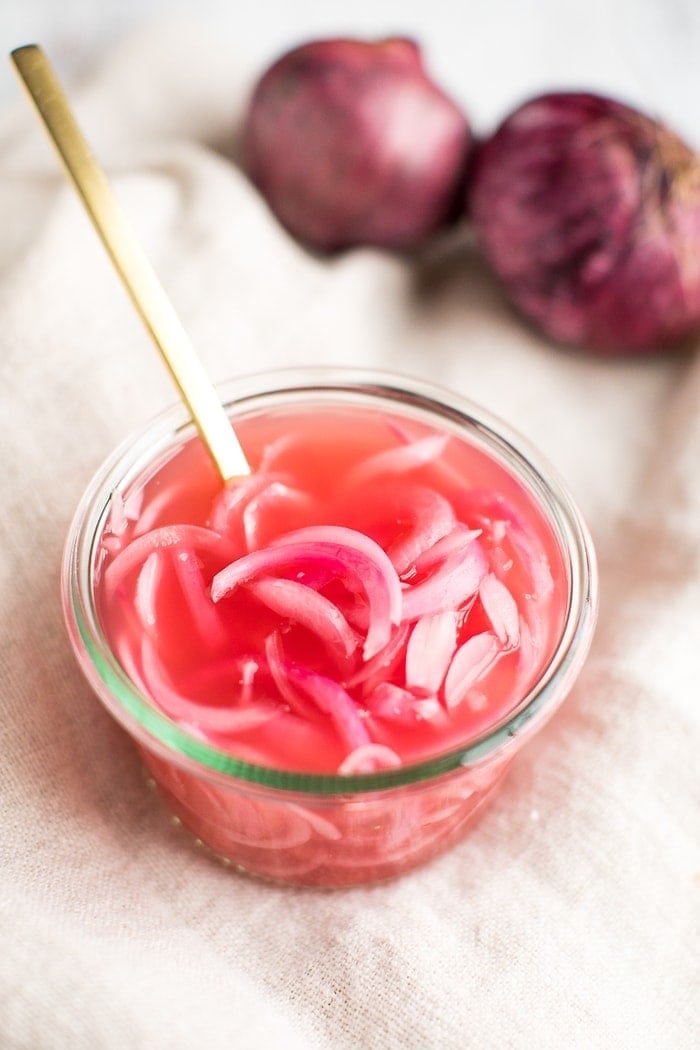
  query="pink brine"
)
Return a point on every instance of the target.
[{"x": 375, "y": 593}]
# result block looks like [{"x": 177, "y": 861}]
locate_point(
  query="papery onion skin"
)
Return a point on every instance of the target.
[
  {"x": 351, "y": 143},
  {"x": 589, "y": 213}
]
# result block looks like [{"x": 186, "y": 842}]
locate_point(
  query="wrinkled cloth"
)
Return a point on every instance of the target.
[{"x": 570, "y": 916}]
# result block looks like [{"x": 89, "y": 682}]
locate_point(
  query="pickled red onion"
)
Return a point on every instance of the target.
[
  {"x": 233, "y": 497},
  {"x": 204, "y": 614},
  {"x": 369, "y": 758},
  {"x": 524, "y": 541},
  {"x": 357, "y": 559},
  {"x": 499, "y": 605},
  {"x": 471, "y": 661},
  {"x": 133, "y": 555},
  {"x": 399, "y": 460},
  {"x": 429, "y": 651},
  {"x": 279, "y": 668},
  {"x": 383, "y": 663},
  {"x": 146, "y": 587},
  {"x": 454, "y": 542},
  {"x": 394, "y": 704},
  {"x": 295, "y": 601},
  {"x": 217, "y": 719},
  {"x": 433, "y": 517},
  {"x": 280, "y": 497},
  {"x": 334, "y": 701},
  {"x": 452, "y": 584},
  {"x": 118, "y": 521}
]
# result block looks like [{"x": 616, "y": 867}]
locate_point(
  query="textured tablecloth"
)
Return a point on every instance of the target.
[{"x": 571, "y": 915}]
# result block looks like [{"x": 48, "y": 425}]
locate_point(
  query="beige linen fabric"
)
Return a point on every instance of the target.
[{"x": 570, "y": 918}]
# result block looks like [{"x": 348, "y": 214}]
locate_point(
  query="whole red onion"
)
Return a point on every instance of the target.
[
  {"x": 589, "y": 212},
  {"x": 351, "y": 143}
]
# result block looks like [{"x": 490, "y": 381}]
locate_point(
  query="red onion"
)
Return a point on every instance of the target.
[
  {"x": 352, "y": 143},
  {"x": 589, "y": 212}
]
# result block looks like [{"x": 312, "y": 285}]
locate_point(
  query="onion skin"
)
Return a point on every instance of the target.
[
  {"x": 589, "y": 213},
  {"x": 351, "y": 143}
]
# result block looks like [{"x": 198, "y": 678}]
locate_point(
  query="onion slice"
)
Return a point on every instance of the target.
[
  {"x": 118, "y": 521},
  {"x": 278, "y": 667},
  {"x": 399, "y": 460},
  {"x": 455, "y": 542},
  {"x": 207, "y": 717},
  {"x": 449, "y": 587},
  {"x": 235, "y": 497},
  {"x": 147, "y": 584},
  {"x": 523, "y": 540},
  {"x": 369, "y": 758},
  {"x": 132, "y": 556},
  {"x": 471, "y": 661},
  {"x": 383, "y": 663},
  {"x": 429, "y": 652},
  {"x": 392, "y": 703},
  {"x": 284, "y": 499},
  {"x": 204, "y": 614},
  {"x": 357, "y": 560},
  {"x": 432, "y": 517},
  {"x": 305, "y": 606},
  {"x": 499, "y": 605},
  {"x": 333, "y": 700}
]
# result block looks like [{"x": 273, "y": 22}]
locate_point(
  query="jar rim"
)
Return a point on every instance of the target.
[{"x": 153, "y": 729}]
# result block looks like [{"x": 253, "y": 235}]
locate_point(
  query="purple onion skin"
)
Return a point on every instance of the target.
[
  {"x": 351, "y": 143},
  {"x": 589, "y": 212}
]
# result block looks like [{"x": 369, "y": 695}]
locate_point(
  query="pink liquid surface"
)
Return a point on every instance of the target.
[{"x": 206, "y": 663}]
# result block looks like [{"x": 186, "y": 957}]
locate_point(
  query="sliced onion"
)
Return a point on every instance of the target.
[
  {"x": 333, "y": 700},
  {"x": 111, "y": 544},
  {"x": 235, "y": 497},
  {"x": 207, "y": 717},
  {"x": 383, "y": 664},
  {"x": 450, "y": 586},
  {"x": 455, "y": 542},
  {"x": 321, "y": 825},
  {"x": 147, "y": 584},
  {"x": 524, "y": 540},
  {"x": 471, "y": 661},
  {"x": 355, "y": 557},
  {"x": 399, "y": 460},
  {"x": 369, "y": 758},
  {"x": 311, "y": 610},
  {"x": 377, "y": 575},
  {"x": 535, "y": 561},
  {"x": 278, "y": 667},
  {"x": 133, "y": 503},
  {"x": 132, "y": 556},
  {"x": 399, "y": 430},
  {"x": 154, "y": 510},
  {"x": 392, "y": 703},
  {"x": 204, "y": 613},
  {"x": 429, "y": 651},
  {"x": 355, "y": 608},
  {"x": 275, "y": 449},
  {"x": 533, "y": 633},
  {"x": 284, "y": 501},
  {"x": 499, "y": 605},
  {"x": 124, "y": 651},
  {"x": 118, "y": 522},
  {"x": 432, "y": 518}
]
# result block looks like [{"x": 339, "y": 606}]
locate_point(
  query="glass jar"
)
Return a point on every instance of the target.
[{"x": 315, "y": 829}]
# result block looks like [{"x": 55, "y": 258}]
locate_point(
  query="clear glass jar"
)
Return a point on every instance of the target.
[{"x": 313, "y": 829}]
